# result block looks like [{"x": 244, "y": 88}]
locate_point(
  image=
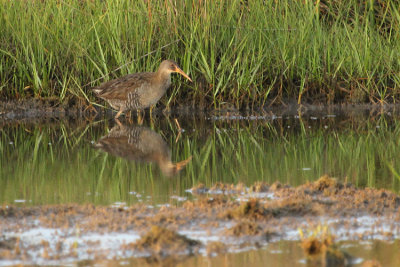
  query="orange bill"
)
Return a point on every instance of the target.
[{"x": 178, "y": 70}]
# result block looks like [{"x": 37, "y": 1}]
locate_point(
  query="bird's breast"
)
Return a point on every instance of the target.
[{"x": 156, "y": 92}]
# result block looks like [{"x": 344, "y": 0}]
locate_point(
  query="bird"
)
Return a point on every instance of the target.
[
  {"x": 138, "y": 91},
  {"x": 140, "y": 143}
]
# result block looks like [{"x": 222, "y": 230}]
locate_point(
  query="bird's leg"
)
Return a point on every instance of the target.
[
  {"x": 140, "y": 117},
  {"x": 118, "y": 114},
  {"x": 177, "y": 124},
  {"x": 151, "y": 116},
  {"x": 151, "y": 111},
  {"x": 130, "y": 117},
  {"x": 118, "y": 122},
  {"x": 179, "y": 130}
]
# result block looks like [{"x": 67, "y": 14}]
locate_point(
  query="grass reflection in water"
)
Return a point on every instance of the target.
[{"x": 59, "y": 163}]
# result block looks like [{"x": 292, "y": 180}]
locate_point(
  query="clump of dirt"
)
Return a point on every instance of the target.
[
  {"x": 276, "y": 186},
  {"x": 259, "y": 187},
  {"x": 296, "y": 206},
  {"x": 245, "y": 228},
  {"x": 161, "y": 242},
  {"x": 314, "y": 246},
  {"x": 321, "y": 250},
  {"x": 251, "y": 209},
  {"x": 325, "y": 185},
  {"x": 377, "y": 200},
  {"x": 255, "y": 210}
]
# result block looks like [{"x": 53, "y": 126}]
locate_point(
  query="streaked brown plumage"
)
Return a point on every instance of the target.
[
  {"x": 141, "y": 144},
  {"x": 138, "y": 90}
]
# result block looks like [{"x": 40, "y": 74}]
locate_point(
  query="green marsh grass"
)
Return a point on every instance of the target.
[
  {"x": 247, "y": 53},
  {"x": 58, "y": 164}
]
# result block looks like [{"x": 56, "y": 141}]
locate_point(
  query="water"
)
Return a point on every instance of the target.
[
  {"x": 290, "y": 254},
  {"x": 101, "y": 162},
  {"x": 108, "y": 163},
  {"x": 284, "y": 253}
]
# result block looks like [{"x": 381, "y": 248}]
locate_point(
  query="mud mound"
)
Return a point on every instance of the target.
[
  {"x": 324, "y": 185},
  {"x": 276, "y": 186},
  {"x": 259, "y": 187},
  {"x": 251, "y": 209},
  {"x": 161, "y": 242},
  {"x": 295, "y": 206},
  {"x": 245, "y": 228},
  {"x": 321, "y": 250},
  {"x": 254, "y": 209}
]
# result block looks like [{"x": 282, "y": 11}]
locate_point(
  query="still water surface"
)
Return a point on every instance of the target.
[{"x": 103, "y": 162}]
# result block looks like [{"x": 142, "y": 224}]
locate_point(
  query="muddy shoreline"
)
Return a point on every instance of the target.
[
  {"x": 224, "y": 218},
  {"x": 48, "y": 109}
]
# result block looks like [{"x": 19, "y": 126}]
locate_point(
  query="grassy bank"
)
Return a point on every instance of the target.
[{"x": 243, "y": 52}]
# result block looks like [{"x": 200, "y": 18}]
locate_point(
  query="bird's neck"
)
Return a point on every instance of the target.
[{"x": 163, "y": 76}]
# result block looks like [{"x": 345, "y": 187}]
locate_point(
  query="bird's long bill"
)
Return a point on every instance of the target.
[{"x": 178, "y": 70}]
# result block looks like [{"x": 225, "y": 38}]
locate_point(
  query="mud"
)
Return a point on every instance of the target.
[
  {"x": 41, "y": 107},
  {"x": 42, "y": 110},
  {"x": 160, "y": 241},
  {"x": 224, "y": 218}
]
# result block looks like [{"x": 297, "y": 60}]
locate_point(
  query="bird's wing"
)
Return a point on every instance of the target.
[{"x": 121, "y": 87}]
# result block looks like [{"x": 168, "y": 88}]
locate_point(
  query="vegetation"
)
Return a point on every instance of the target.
[{"x": 247, "y": 53}]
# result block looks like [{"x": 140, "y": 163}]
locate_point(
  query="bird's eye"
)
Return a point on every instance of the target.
[{"x": 172, "y": 66}]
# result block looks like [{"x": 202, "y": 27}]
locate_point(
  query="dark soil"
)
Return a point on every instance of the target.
[{"x": 43, "y": 109}]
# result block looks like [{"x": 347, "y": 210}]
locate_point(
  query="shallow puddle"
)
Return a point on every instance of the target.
[{"x": 168, "y": 162}]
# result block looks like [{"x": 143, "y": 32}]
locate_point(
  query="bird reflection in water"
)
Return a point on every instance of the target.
[{"x": 140, "y": 144}]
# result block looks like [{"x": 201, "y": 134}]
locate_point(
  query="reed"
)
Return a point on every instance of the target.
[{"x": 247, "y": 53}]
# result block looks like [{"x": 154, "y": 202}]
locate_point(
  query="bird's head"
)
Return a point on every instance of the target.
[{"x": 170, "y": 66}]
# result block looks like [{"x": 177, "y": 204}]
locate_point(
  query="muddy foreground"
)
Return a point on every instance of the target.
[{"x": 225, "y": 218}]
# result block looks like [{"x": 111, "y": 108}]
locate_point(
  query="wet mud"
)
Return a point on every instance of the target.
[
  {"x": 42, "y": 110},
  {"x": 42, "y": 107},
  {"x": 223, "y": 218}
]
